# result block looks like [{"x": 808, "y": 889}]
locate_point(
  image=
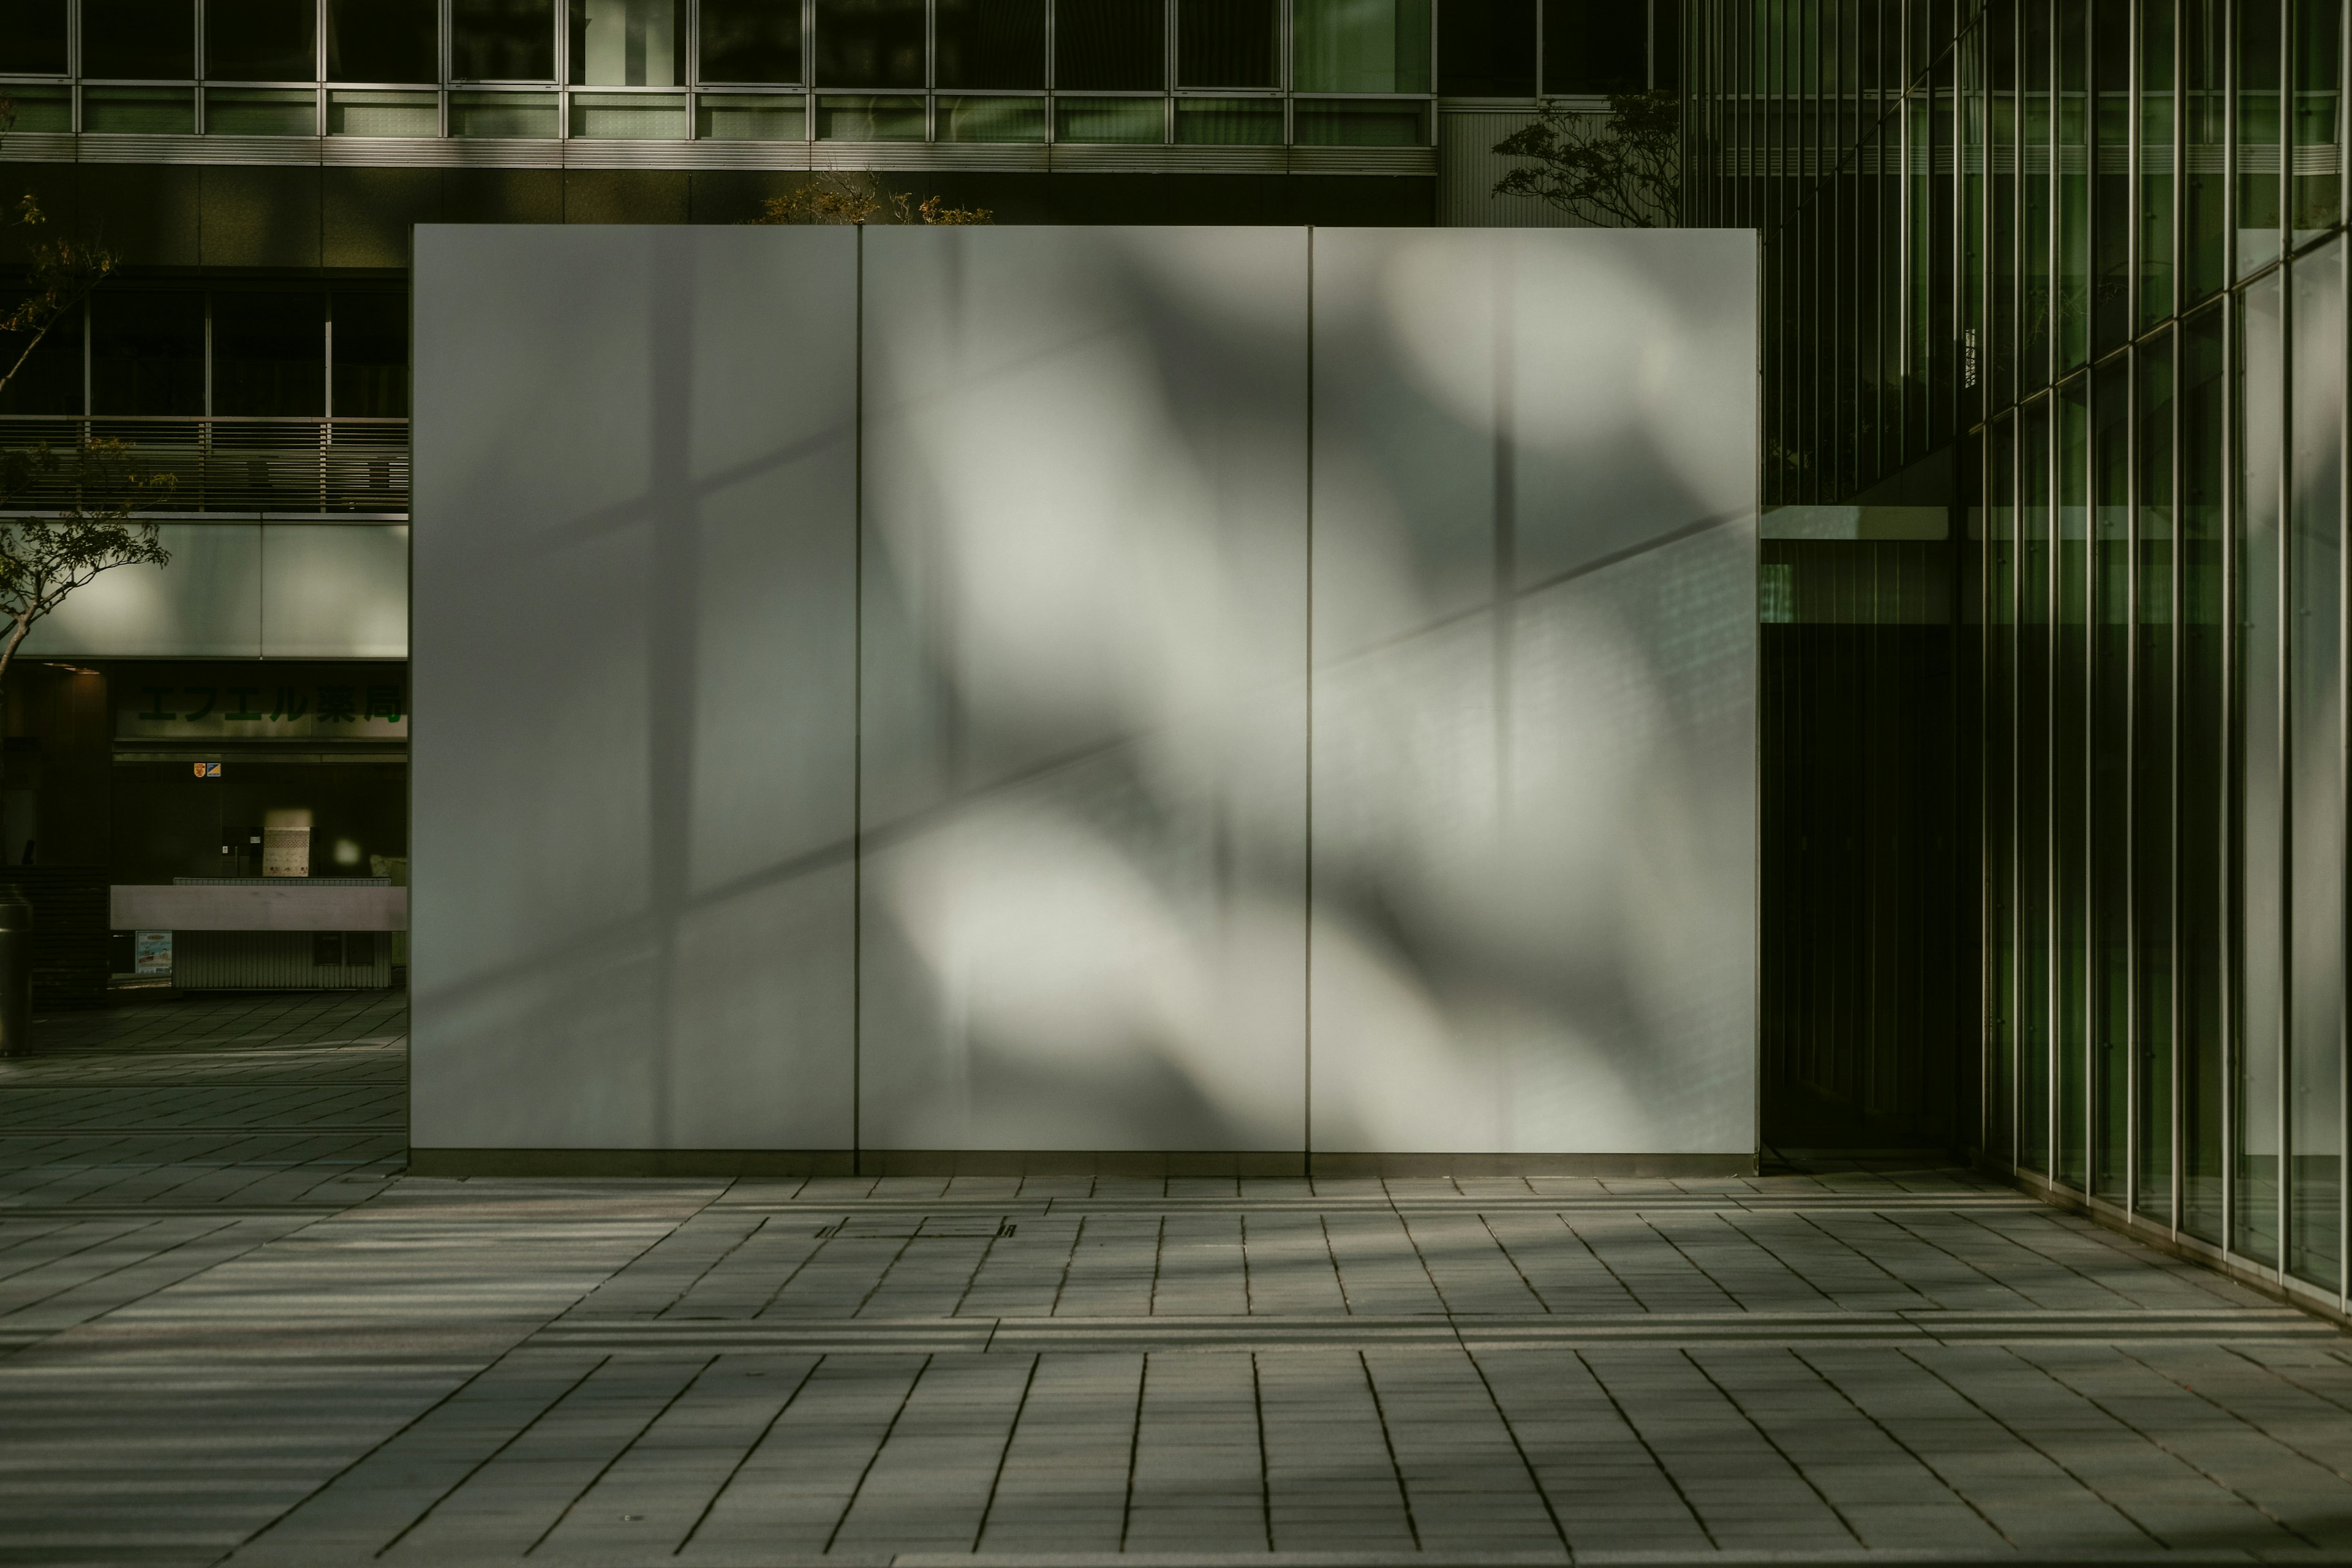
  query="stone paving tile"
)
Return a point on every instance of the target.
[{"x": 230, "y": 1334}]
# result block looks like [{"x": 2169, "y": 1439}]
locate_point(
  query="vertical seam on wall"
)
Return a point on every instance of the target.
[
  {"x": 857, "y": 722},
  {"x": 1307, "y": 985}
]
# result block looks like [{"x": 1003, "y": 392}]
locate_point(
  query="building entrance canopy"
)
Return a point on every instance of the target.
[{"x": 1063, "y": 692}]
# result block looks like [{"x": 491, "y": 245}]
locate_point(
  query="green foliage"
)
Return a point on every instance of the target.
[
  {"x": 1623, "y": 168},
  {"x": 847, "y": 198}
]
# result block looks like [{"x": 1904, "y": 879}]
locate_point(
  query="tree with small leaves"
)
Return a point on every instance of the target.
[
  {"x": 1622, "y": 168},
  {"x": 862, "y": 198},
  {"x": 87, "y": 488}
]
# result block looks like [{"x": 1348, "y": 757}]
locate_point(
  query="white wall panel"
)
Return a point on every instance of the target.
[
  {"x": 1085, "y": 707},
  {"x": 334, "y": 591},
  {"x": 635, "y": 559},
  {"x": 1534, "y": 690},
  {"x": 205, "y": 605}
]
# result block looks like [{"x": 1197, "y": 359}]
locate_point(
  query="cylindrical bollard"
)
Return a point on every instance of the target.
[{"x": 15, "y": 974}]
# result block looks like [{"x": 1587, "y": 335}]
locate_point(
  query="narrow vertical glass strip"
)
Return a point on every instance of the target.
[
  {"x": 2073, "y": 155},
  {"x": 2205, "y": 114},
  {"x": 2260, "y": 175},
  {"x": 2003, "y": 39},
  {"x": 2034, "y": 192},
  {"x": 2157, "y": 117},
  {"x": 2111, "y": 774},
  {"x": 2152, "y": 841},
  {"x": 2001, "y": 785},
  {"x": 2033, "y": 792},
  {"x": 2260, "y": 835},
  {"x": 1918, "y": 292},
  {"x": 2110, "y": 174},
  {"x": 2070, "y": 802},
  {"x": 2315, "y": 771},
  {"x": 2201, "y": 909},
  {"x": 1973, "y": 224},
  {"x": 2315, "y": 179}
]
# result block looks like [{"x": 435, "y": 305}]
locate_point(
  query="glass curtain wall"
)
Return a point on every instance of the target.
[{"x": 2130, "y": 214}]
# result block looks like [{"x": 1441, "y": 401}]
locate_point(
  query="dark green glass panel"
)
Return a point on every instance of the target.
[
  {"x": 2001, "y": 35},
  {"x": 2199, "y": 947},
  {"x": 270, "y": 353},
  {"x": 1109, "y": 45},
  {"x": 2070, "y": 803},
  {"x": 2152, "y": 760},
  {"x": 2205, "y": 130},
  {"x": 2074, "y": 156},
  {"x": 2034, "y": 803},
  {"x": 2037, "y": 301},
  {"x": 2315, "y": 188},
  {"x": 2259, "y": 821},
  {"x": 2001, "y": 787},
  {"x": 2110, "y": 163},
  {"x": 2111, "y": 774},
  {"x": 2261, "y": 179},
  {"x": 2158, "y": 117},
  {"x": 147, "y": 352}
]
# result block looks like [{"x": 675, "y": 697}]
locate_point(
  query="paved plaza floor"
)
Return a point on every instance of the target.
[{"x": 232, "y": 1330}]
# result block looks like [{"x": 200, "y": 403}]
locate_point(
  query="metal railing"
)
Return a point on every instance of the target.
[{"x": 284, "y": 466}]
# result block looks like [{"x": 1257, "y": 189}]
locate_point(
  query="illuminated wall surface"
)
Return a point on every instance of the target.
[{"x": 1084, "y": 690}]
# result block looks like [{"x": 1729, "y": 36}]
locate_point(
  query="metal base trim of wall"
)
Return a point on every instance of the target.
[
  {"x": 2284, "y": 1289},
  {"x": 1255, "y": 1163}
]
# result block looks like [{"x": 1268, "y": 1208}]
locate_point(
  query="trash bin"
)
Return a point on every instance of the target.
[{"x": 15, "y": 974}]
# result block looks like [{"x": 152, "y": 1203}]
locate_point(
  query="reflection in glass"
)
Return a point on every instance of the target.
[
  {"x": 48, "y": 108},
  {"x": 147, "y": 353},
  {"x": 261, "y": 111},
  {"x": 990, "y": 43},
  {"x": 2070, "y": 803},
  {"x": 992, "y": 119},
  {"x": 1109, "y": 46},
  {"x": 750, "y": 117},
  {"x": 261, "y": 40},
  {"x": 2260, "y": 825},
  {"x": 1226, "y": 43},
  {"x": 2315, "y": 1113},
  {"x": 628, "y": 116},
  {"x": 2001, "y": 32},
  {"x": 2200, "y": 948},
  {"x": 629, "y": 43},
  {"x": 1109, "y": 119},
  {"x": 861, "y": 117},
  {"x": 2259, "y": 174},
  {"x": 384, "y": 41},
  {"x": 2152, "y": 846},
  {"x": 2111, "y": 774},
  {"x": 1360, "y": 122},
  {"x": 2155, "y": 128},
  {"x": 139, "y": 40},
  {"x": 2316, "y": 187},
  {"x": 139, "y": 111},
  {"x": 503, "y": 40},
  {"x": 2038, "y": 302},
  {"x": 351, "y": 113},
  {"x": 1360, "y": 45},
  {"x": 2074, "y": 153},
  {"x": 503, "y": 114},
  {"x": 869, "y": 42},
  {"x": 1251, "y": 122},
  {"x": 2111, "y": 174},
  {"x": 2033, "y": 794},
  {"x": 750, "y": 41}
]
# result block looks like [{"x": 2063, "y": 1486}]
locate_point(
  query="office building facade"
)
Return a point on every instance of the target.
[{"x": 2076, "y": 272}]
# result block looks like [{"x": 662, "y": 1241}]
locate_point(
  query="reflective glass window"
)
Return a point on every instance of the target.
[
  {"x": 1360, "y": 122},
  {"x": 2156, "y": 124},
  {"x": 48, "y": 108},
  {"x": 2315, "y": 784},
  {"x": 139, "y": 111},
  {"x": 371, "y": 355},
  {"x": 147, "y": 352},
  {"x": 2205, "y": 132},
  {"x": 2153, "y": 843},
  {"x": 1109, "y": 119},
  {"x": 33, "y": 38},
  {"x": 869, "y": 42},
  {"x": 1227, "y": 43},
  {"x": 2259, "y": 825},
  {"x": 629, "y": 43},
  {"x": 995, "y": 118},
  {"x": 2202, "y": 628},
  {"x": 750, "y": 41},
  {"x": 384, "y": 41},
  {"x": 1360, "y": 45},
  {"x": 1255, "y": 122},
  {"x": 746, "y": 117},
  {"x": 270, "y": 353},
  {"x": 2316, "y": 189},
  {"x": 2034, "y": 803},
  {"x": 2000, "y": 786},
  {"x": 2260, "y": 177},
  {"x": 1486, "y": 48},
  {"x": 261, "y": 111},
  {"x": 261, "y": 40},
  {"x": 990, "y": 43},
  {"x": 139, "y": 40},
  {"x": 2037, "y": 299},
  {"x": 2070, "y": 800},
  {"x": 503, "y": 40},
  {"x": 2072, "y": 134},
  {"x": 2110, "y": 174},
  {"x": 2111, "y": 774},
  {"x": 1107, "y": 46}
]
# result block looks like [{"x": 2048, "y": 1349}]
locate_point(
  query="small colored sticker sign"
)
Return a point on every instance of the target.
[{"x": 207, "y": 769}]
